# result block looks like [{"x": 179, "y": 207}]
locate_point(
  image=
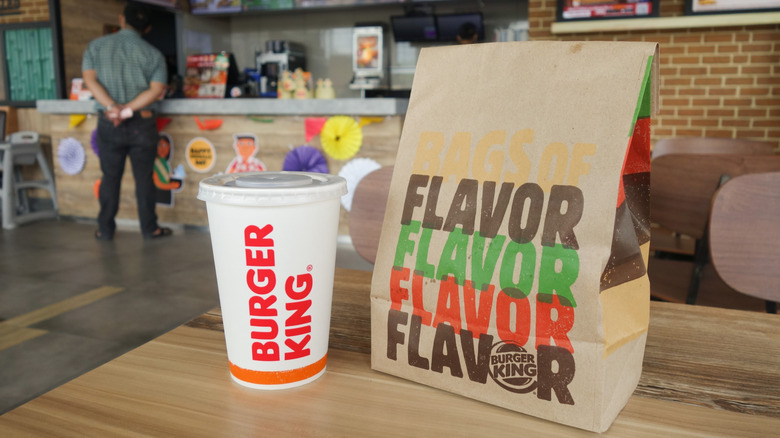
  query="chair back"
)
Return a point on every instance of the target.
[
  {"x": 745, "y": 234},
  {"x": 682, "y": 186},
  {"x": 711, "y": 145},
  {"x": 368, "y": 212}
]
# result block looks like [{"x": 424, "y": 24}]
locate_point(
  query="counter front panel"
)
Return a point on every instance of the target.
[{"x": 276, "y": 135}]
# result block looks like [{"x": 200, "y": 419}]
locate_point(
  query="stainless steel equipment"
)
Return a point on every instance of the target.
[{"x": 279, "y": 55}]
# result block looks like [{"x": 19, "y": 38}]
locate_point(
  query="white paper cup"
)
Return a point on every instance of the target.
[{"x": 274, "y": 240}]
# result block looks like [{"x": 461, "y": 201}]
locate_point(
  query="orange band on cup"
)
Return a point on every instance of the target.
[{"x": 277, "y": 377}]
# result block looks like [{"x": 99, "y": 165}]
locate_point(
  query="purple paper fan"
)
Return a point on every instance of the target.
[
  {"x": 305, "y": 159},
  {"x": 93, "y": 142},
  {"x": 71, "y": 156}
]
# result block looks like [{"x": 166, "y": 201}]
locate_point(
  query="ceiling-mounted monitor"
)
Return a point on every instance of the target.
[
  {"x": 414, "y": 28},
  {"x": 449, "y": 25}
]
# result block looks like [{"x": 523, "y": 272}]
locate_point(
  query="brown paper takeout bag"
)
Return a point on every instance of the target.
[{"x": 512, "y": 263}]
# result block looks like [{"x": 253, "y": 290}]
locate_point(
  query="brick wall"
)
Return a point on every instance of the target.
[
  {"x": 715, "y": 82},
  {"x": 30, "y": 11}
]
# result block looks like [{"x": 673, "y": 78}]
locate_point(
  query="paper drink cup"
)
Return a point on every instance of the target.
[{"x": 274, "y": 240}]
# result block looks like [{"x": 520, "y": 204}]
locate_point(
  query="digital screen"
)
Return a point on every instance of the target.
[
  {"x": 414, "y": 28},
  {"x": 215, "y": 7},
  {"x": 367, "y": 46},
  {"x": 329, "y": 3},
  {"x": 449, "y": 25},
  {"x": 726, "y": 6},
  {"x": 602, "y": 9},
  {"x": 367, "y": 55}
]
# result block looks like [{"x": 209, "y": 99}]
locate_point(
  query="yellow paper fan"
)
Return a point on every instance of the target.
[
  {"x": 341, "y": 137},
  {"x": 369, "y": 120}
]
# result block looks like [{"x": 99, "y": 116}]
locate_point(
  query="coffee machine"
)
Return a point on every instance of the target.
[{"x": 279, "y": 55}]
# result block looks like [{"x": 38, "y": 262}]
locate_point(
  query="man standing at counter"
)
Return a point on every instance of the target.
[{"x": 127, "y": 76}]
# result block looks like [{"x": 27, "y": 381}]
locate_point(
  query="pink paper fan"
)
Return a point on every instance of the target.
[
  {"x": 305, "y": 159},
  {"x": 314, "y": 126}
]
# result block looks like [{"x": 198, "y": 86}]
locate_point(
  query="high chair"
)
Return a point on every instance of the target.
[{"x": 23, "y": 149}]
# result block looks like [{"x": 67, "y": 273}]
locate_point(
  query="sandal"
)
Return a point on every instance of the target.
[
  {"x": 100, "y": 236},
  {"x": 160, "y": 232}
]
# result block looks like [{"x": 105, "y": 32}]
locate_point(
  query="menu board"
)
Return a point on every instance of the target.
[
  {"x": 214, "y": 6},
  {"x": 569, "y": 10},
  {"x": 727, "y": 6},
  {"x": 234, "y": 6},
  {"x": 328, "y": 3},
  {"x": 206, "y": 75}
]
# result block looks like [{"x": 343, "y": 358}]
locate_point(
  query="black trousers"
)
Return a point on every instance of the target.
[{"x": 137, "y": 138}]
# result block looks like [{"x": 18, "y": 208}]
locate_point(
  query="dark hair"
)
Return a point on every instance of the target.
[
  {"x": 137, "y": 16},
  {"x": 467, "y": 31}
]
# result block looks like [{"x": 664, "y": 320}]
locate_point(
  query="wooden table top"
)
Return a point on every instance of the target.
[{"x": 707, "y": 372}]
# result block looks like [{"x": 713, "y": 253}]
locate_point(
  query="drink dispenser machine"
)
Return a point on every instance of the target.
[{"x": 279, "y": 55}]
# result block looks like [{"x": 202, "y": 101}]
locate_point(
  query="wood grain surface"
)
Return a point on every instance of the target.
[
  {"x": 683, "y": 185},
  {"x": 707, "y": 373},
  {"x": 368, "y": 211},
  {"x": 667, "y": 241},
  {"x": 669, "y": 281},
  {"x": 712, "y": 145},
  {"x": 745, "y": 234}
]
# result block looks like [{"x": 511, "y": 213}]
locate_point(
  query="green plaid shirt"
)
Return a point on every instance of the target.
[{"x": 125, "y": 65}]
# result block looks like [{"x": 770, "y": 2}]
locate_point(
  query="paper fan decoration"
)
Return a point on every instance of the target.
[
  {"x": 305, "y": 159},
  {"x": 93, "y": 142},
  {"x": 71, "y": 156},
  {"x": 341, "y": 137},
  {"x": 353, "y": 172},
  {"x": 313, "y": 126},
  {"x": 162, "y": 122},
  {"x": 369, "y": 120},
  {"x": 208, "y": 125},
  {"x": 76, "y": 119}
]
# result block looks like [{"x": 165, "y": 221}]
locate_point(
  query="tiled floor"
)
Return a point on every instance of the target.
[{"x": 69, "y": 303}]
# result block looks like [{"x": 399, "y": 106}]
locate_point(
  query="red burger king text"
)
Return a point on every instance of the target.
[{"x": 264, "y": 314}]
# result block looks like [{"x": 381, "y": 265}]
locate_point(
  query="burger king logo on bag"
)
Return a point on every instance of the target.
[{"x": 512, "y": 367}]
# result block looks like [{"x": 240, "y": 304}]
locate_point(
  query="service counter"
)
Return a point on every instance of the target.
[{"x": 279, "y": 126}]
